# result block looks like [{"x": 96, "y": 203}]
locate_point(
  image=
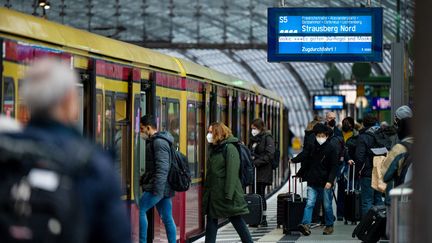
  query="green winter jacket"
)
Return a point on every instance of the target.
[{"x": 223, "y": 192}]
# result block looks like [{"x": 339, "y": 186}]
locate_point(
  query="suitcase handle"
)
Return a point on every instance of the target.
[
  {"x": 352, "y": 188},
  {"x": 295, "y": 178}
]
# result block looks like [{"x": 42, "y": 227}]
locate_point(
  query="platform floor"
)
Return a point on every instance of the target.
[{"x": 342, "y": 232}]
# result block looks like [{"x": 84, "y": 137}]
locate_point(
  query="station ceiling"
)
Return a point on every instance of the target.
[{"x": 226, "y": 35}]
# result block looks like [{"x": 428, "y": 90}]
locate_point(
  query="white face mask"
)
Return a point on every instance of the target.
[
  {"x": 255, "y": 132},
  {"x": 209, "y": 138},
  {"x": 321, "y": 140}
]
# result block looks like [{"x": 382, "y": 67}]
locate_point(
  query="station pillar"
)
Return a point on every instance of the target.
[{"x": 399, "y": 80}]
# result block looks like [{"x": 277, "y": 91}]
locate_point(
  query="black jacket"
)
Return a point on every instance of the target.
[
  {"x": 98, "y": 187},
  {"x": 363, "y": 155},
  {"x": 263, "y": 149},
  {"x": 304, "y": 156},
  {"x": 158, "y": 157},
  {"x": 323, "y": 165}
]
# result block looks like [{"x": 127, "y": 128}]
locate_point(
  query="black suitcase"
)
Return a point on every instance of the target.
[
  {"x": 352, "y": 199},
  {"x": 290, "y": 208},
  {"x": 255, "y": 206},
  {"x": 372, "y": 226},
  {"x": 282, "y": 207}
]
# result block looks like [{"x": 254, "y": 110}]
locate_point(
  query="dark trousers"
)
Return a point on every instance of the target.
[
  {"x": 261, "y": 191},
  {"x": 238, "y": 223}
]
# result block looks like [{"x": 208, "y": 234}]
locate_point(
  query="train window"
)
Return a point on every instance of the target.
[
  {"x": 23, "y": 114},
  {"x": 200, "y": 134},
  {"x": 8, "y": 95},
  {"x": 223, "y": 116},
  {"x": 122, "y": 142},
  {"x": 99, "y": 117},
  {"x": 243, "y": 126},
  {"x": 158, "y": 113},
  {"x": 191, "y": 138},
  {"x": 173, "y": 120},
  {"x": 109, "y": 121},
  {"x": 163, "y": 126},
  {"x": 80, "y": 117}
]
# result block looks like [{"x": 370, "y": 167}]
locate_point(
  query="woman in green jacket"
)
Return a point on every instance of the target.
[{"x": 223, "y": 192}]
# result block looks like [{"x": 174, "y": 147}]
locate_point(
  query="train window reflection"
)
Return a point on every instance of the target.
[{"x": 8, "y": 103}]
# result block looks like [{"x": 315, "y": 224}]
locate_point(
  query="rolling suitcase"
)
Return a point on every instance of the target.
[
  {"x": 255, "y": 206},
  {"x": 372, "y": 226},
  {"x": 294, "y": 208},
  {"x": 352, "y": 210}
]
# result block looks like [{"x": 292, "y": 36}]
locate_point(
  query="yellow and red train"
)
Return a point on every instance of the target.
[{"x": 121, "y": 82}]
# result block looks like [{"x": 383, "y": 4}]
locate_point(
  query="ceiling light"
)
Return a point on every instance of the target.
[{"x": 47, "y": 6}]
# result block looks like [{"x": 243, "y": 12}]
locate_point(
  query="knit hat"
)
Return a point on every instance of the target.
[{"x": 403, "y": 112}]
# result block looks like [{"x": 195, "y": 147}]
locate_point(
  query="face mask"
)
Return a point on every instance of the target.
[
  {"x": 177, "y": 131},
  {"x": 331, "y": 123},
  {"x": 321, "y": 140},
  {"x": 209, "y": 138},
  {"x": 346, "y": 128},
  {"x": 255, "y": 132}
]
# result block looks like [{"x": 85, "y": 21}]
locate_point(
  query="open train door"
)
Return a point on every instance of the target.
[{"x": 147, "y": 101}]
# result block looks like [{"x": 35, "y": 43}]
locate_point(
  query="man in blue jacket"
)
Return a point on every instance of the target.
[
  {"x": 49, "y": 90},
  {"x": 157, "y": 191}
]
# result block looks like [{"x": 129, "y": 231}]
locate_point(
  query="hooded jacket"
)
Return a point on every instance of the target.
[
  {"x": 263, "y": 149},
  {"x": 158, "y": 162},
  {"x": 323, "y": 165},
  {"x": 223, "y": 193}
]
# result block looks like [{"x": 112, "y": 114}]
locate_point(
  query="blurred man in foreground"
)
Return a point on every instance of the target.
[{"x": 66, "y": 189}]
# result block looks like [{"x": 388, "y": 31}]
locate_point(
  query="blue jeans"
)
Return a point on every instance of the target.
[
  {"x": 238, "y": 223},
  {"x": 312, "y": 194},
  {"x": 164, "y": 207},
  {"x": 369, "y": 196}
]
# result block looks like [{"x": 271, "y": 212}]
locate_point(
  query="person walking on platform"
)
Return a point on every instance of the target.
[
  {"x": 89, "y": 187},
  {"x": 320, "y": 178},
  {"x": 363, "y": 159},
  {"x": 223, "y": 192},
  {"x": 262, "y": 147},
  {"x": 349, "y": 138},
  {"x": 157, "y": 191}
]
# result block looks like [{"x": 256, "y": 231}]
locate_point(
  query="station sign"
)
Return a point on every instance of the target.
[
  {"x": 325, "y": 34},
  {"x": 328, "y": 102}
]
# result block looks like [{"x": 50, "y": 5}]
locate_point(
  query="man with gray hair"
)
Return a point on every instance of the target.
[{"x": 49, "y": 91}]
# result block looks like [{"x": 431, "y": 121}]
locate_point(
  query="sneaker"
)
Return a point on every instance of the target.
[
  {"x": 304, "y": 229},
  {"x": 328, "y": 230},
  {"x": 264, "y": 223}
]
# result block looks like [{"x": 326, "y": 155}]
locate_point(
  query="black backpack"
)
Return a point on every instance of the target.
[
  {"x": 39, "y": 200},
  {"x": 246, "y": 172},
  {"x": 179, "y": 176},
  {"x": 381, "y": 139}
]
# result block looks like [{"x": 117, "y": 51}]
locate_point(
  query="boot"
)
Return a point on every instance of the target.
[{"x": 264, "y": 221}]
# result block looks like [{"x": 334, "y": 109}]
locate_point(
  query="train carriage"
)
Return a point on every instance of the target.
[{"x": 119, "y": 83}]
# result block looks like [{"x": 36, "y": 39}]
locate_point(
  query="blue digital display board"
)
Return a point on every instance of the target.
[
  {"x": 325, "y": 34},
  {"x": 381, "y": 103},
  {"x": 328, "y": 102}
]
